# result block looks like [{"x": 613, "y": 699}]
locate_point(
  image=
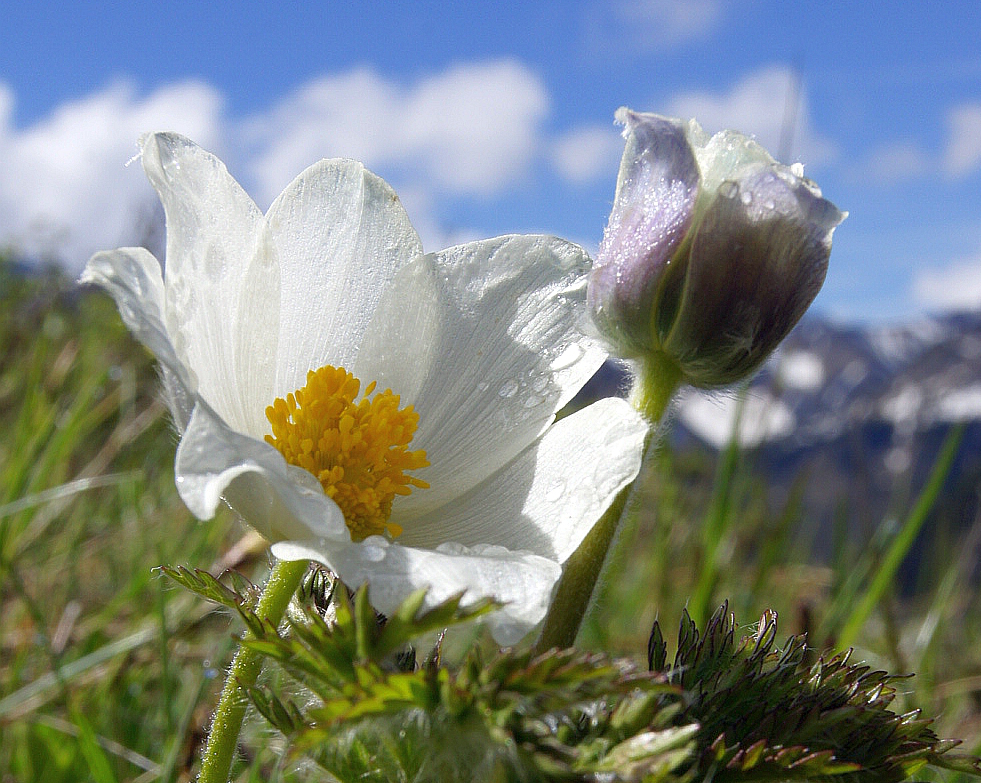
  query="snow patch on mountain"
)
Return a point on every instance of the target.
[
  {"x": 801, "y": 370},
  {"x": 960, "y": 404},
  {"x": 755, "y": 418}
]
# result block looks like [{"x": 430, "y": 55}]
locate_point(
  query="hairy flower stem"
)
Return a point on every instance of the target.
[
  {"x": 223, "y": 738},
  {"x": 658, "y": 378},
  {"x": 657, "y": 381}
]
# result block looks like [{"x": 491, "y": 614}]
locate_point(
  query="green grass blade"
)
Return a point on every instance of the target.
[
  {"x": 884, "y": 575},
  {"x": 22, "y": 699},
  {"x": 717, "y": 523},
  {"x": 65, "y": 490},
  {"x": 96, "y": 758}
]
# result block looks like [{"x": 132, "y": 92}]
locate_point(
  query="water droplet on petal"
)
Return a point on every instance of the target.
[
  {"x": 728, "y": 189},
  {"x": 604, "y": 482},
  {"x": 569, "y": 356},
  {"x": 566, "y": 259},
  {"x": 373, "y": 553},
  {"x": 533, "y": 401},
  {"x": 555, "y": 492},
  {"x": 509, "y": 388},
  {"x": 746, "y": 197}
]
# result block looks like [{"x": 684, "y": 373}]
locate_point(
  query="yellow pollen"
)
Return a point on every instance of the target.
[{"x": 357, "y": 450}]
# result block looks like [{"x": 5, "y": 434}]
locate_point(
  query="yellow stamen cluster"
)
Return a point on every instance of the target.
[{"x": 357, "y": 450}]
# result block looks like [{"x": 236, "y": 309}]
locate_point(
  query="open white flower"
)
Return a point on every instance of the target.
[{"x": 477, "y": 347}]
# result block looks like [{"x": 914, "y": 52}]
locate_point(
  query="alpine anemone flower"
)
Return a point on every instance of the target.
[{"x": 388, "y": 413}]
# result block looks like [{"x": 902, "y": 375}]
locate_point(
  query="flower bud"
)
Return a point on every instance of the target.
[{"x": 712, "y": 253}]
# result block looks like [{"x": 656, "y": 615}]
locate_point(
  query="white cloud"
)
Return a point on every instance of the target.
[
  {"x": 66, "y": 191},
  {"x": 954, "y": 287},
  {"x": 758, "y": 105},
  {"x": 648, "y": 25},
  {"x": 6, "y": 107},
  {"x": 586, "y": 153},
  {"x": 899, "y": 161},
  {"x": 472, "y": 129},
  {"x": 895, "y": 162},
  {"x": 962, "y": 155}
]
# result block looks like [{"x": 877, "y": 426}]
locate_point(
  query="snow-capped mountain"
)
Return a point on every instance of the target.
[
  {"x": 827, "y": 379},
  {"x": 860, "y": 413}
]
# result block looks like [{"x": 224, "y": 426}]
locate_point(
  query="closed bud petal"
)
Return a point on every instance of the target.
[
  {"x": 713, "y": 250},
  {"x": 653, "y": 211}
]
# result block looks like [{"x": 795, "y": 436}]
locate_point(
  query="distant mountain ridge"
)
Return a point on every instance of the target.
[
  {"x": 861, "y": 413},
  {"x": 826, "y": 378}
]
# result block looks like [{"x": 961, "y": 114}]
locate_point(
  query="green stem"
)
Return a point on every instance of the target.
[
  {"x": 658, "y": 378},
  {"x": 656, "y": 383},
  {"x": 223, "y": 738}
]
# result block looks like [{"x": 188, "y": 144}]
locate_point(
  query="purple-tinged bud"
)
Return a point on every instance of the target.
[{"x": 713, "y": 250}]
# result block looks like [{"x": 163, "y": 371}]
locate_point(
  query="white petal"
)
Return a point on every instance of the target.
[
  {"x": 485, "y": 340},
  {"x": 341, "y": 235},
  {"x": 522, "y": 581},
  {"x": 655, "y": 201},
  {"x": 549, "y": 497},
  {"x": 222, "y": 286},
  {"x": 132, "y": 277},
  {"x": 215, "y": 463},
  {"x": 728, "y": 155}
]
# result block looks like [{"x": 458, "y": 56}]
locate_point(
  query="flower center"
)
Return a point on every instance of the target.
[{"x": 357, "y": 450}]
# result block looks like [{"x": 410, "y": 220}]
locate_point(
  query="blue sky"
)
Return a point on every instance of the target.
[{"x": 491, "y": 117}]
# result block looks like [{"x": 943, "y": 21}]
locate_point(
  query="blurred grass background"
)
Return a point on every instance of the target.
[{"x": 109, "y": 673}]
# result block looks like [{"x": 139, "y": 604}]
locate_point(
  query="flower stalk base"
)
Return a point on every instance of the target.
[
  {"x": 223, "y": 737},
  {"x": 658, "y": 378}
]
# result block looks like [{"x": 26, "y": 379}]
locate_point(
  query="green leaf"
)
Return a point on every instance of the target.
[
  {"x": 410, "y": 621},
  {"x": 651, "y": 754},
  {"x": 205, "y": 585},
  {"x": 517, "y": 716}
]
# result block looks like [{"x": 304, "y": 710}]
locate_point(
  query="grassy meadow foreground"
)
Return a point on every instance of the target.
[{"x": 109, "y": 672}]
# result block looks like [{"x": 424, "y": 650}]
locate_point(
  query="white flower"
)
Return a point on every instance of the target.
[{"x": 479, "y": 344}]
